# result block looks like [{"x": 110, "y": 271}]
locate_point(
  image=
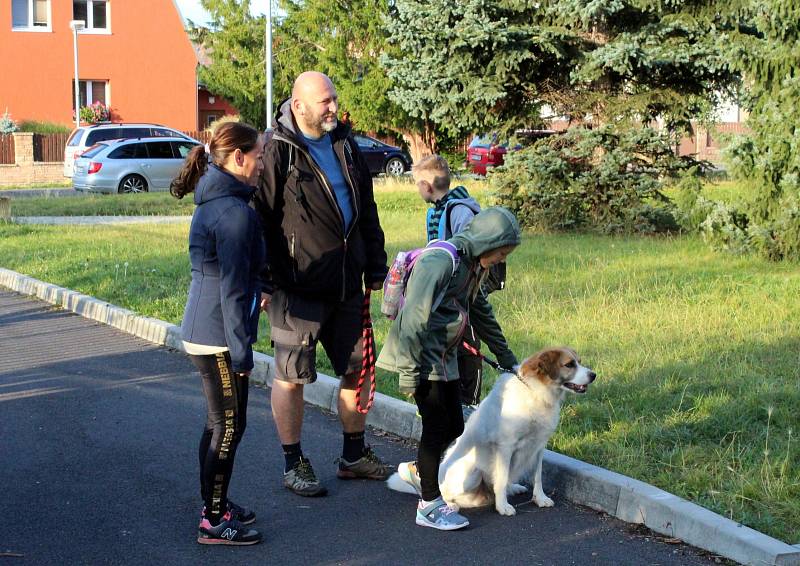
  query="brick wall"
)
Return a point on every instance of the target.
[{"x": 26, "y": 171}]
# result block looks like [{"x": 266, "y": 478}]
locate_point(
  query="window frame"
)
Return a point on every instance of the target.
[
  {"x": 30, "y": 27},
  {"x": 87, "y": 91},
  {"x": 89, "y": 21}
]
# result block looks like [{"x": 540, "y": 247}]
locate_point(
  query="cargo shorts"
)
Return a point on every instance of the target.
[{"x": 298, "y": 323}]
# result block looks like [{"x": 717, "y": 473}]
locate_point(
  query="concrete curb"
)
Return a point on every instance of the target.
[{"x": 628, "y": 499}]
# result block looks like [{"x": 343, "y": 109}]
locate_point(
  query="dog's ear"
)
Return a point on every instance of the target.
[{"x": 547, "y": 363}]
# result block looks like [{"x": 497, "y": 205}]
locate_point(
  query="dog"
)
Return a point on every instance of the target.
[{"x": 504, "y": 439}]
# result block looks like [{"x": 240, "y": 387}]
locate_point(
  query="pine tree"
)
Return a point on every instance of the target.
[
  {"x": 769, "y": 158},
  {"x": 477, "y": 65}
]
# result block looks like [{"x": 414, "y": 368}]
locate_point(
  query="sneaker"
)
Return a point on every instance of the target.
[
  {"x": 242, "y": 514},
  {"x": 238, "y": 513},
  {"x": 409, "y": 474},
  {"x": 303, "y": 481},
  {"x": 229, "y": 531},
  {"x": 467, "y": 410},
  {"x": 369, "y": 466},
  {"x": 438, "y": 515}
]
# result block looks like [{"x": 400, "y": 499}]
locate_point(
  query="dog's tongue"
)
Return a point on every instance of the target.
[{"x": 576, "y": 388}]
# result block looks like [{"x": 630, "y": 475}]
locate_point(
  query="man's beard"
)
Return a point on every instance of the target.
[{"x": 320, "y": 122}]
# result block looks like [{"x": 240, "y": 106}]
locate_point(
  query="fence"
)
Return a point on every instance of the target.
[
  {"x": 49, "y": 148},
  {"x": 6, "y": 149},
  {"x": 203, "y": 136}
]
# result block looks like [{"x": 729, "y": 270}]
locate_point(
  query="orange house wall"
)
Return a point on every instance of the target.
[{"x": 147, "y": 60}]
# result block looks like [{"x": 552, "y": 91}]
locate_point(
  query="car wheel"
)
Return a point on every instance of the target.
[
  {"x": 395, "y": 166},
  {"x": 133, "y": 184}
]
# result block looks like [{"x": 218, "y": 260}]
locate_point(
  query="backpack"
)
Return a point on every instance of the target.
[
  {"x": 394, "y": 286},
  {"x": 496, "y": 277}
]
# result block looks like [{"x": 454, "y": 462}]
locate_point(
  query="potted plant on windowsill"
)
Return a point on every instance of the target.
[{"x": 95, "y": 113}]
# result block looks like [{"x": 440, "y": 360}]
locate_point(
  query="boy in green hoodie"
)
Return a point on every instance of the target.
[{"x": 443, "y": 297}]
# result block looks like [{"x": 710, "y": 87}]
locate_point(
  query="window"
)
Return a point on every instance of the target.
[
  {"x": 365, "y": 142},
  {"x": 103, "y": 135},
  {"x": 91, "y": 92},
  {"x": 163, "y": 133},
  {"x": 129, "y": 151},
  {"x": 160, "y": 150},
  {"x": 182, "y": 149},
  {"x": 93, "y": 12},
  {"x": 30, "y": 15},
  {"x": 211, "y": 118},
  {"x": 75, "y": 138},
  {"x": 94, "y": 150}
]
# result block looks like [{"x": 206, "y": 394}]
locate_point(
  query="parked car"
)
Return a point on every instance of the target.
[
  {"x": 131, "y": 166},
  {"x": 382, "y": 157},
  {"x": 86, "y": 136},
  {"x": 487, "y": 151}
]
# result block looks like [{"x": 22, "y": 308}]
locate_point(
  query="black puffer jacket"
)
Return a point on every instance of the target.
[{"x": 310, "y": 253}]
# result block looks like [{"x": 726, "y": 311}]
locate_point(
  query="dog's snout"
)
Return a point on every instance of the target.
[{"x": 592, "y": 376}]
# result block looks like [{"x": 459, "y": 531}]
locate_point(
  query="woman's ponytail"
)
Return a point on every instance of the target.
[{"x": 193, "y": 168}]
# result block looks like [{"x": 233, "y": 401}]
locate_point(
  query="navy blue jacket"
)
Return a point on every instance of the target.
[{"x": 227, "y": 251}]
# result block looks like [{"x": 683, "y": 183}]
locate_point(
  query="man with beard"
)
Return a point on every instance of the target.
[{"x": 324, "y": 240}]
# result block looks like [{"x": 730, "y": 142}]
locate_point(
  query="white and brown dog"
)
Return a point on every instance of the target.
[{"x": 504, "y": 440}]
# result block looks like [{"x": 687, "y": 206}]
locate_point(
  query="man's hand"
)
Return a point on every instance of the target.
[{"x": 266, "y": 299}]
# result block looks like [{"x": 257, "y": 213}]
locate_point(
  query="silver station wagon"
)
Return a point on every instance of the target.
[{"x": 131, "y": 165}]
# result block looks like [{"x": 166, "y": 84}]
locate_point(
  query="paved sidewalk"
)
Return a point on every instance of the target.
[{"x": 99, "y": 452}]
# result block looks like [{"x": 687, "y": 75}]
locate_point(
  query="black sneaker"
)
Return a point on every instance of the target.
[
  {"x": 242, "y": 514},
  {"x": 229, "y": 532},
  {"x": 369, "y": 466},
  {"x": 303, "y": 481}
]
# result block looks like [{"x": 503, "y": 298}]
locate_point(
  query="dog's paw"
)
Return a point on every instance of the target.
[
  {"x": 505, "y": 508},
  {"x": 516, "y": 489},
  {"x": 541, "y": 500}
]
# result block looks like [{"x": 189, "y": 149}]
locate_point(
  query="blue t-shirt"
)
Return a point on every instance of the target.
[{"x": 322, "y": 151}]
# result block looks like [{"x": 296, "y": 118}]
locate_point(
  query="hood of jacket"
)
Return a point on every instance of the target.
[
  {"x": 217, "y": 183},
  {"x": 287, "y": 125},
  {"x": 492, "y": 228}
]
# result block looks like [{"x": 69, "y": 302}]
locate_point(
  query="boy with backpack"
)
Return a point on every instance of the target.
[
  {"x": 452, "y": 210},
  {"x": 442, "y": 296}
]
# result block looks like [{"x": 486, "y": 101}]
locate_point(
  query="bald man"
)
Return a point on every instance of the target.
[{"x": 324, "y": 242}]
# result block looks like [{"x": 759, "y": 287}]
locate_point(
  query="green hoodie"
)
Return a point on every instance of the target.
[{"x": 423, "y": 340}]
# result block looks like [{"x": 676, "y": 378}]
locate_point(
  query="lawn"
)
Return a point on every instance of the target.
[{"x": 696, "y": 352}]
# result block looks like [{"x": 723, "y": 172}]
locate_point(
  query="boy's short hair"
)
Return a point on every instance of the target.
[{"x": 435, "y": 166}]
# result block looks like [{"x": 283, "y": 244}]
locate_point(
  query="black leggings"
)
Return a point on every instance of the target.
[
  {"x": 439, "y": 404},
  {"x": 470, "y": 369},
  {"x": 226, "y": 395}
]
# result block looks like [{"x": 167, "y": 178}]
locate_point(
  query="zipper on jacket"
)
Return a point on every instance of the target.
[
  {"x": 332, "y": 197},
  {"x": 294, "y": 259}
]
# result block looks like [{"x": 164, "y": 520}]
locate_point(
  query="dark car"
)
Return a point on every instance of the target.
[
  {"x": 382, "y": 157},
  {"x": 487, "y": 151}
]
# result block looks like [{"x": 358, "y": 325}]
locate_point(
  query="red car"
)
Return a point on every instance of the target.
[{"x": 486, "y": 151}]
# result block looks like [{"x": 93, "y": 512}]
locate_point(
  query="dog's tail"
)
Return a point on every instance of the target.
[{"x": 397, "y": 483}]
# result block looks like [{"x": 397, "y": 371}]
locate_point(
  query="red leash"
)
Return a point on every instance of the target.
[
  {"x": 368, "y": 360},
  {"x": 489, "y": 361}
]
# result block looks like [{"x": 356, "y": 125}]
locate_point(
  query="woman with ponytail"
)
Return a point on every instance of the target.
[{"x": 227, "y": 253}]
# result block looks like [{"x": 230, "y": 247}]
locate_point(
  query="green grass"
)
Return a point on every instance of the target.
[
  {"x": 54, "y": 185},
  {"x": 696, "y": 352},
  {"x": 149, "y": 204}
]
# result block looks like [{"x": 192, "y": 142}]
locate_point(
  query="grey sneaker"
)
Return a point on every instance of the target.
[
  {"x": 467, "y": 410},
  {"x": 369, "y": 466},
  {"x": 303, "y": 481},
  {"x": 439, "y": 515},
  {"x": 409, "y": 474}
]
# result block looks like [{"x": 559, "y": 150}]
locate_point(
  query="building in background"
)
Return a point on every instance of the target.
[{"x": 133, "y": 56}]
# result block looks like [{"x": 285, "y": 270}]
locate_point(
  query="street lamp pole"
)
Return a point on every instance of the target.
[
  {"x": 76, "y": 26},
  {"x": 268, "y": 57}
]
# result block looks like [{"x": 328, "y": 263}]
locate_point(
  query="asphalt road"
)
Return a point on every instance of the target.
[{"x": 98, "y": 452}]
